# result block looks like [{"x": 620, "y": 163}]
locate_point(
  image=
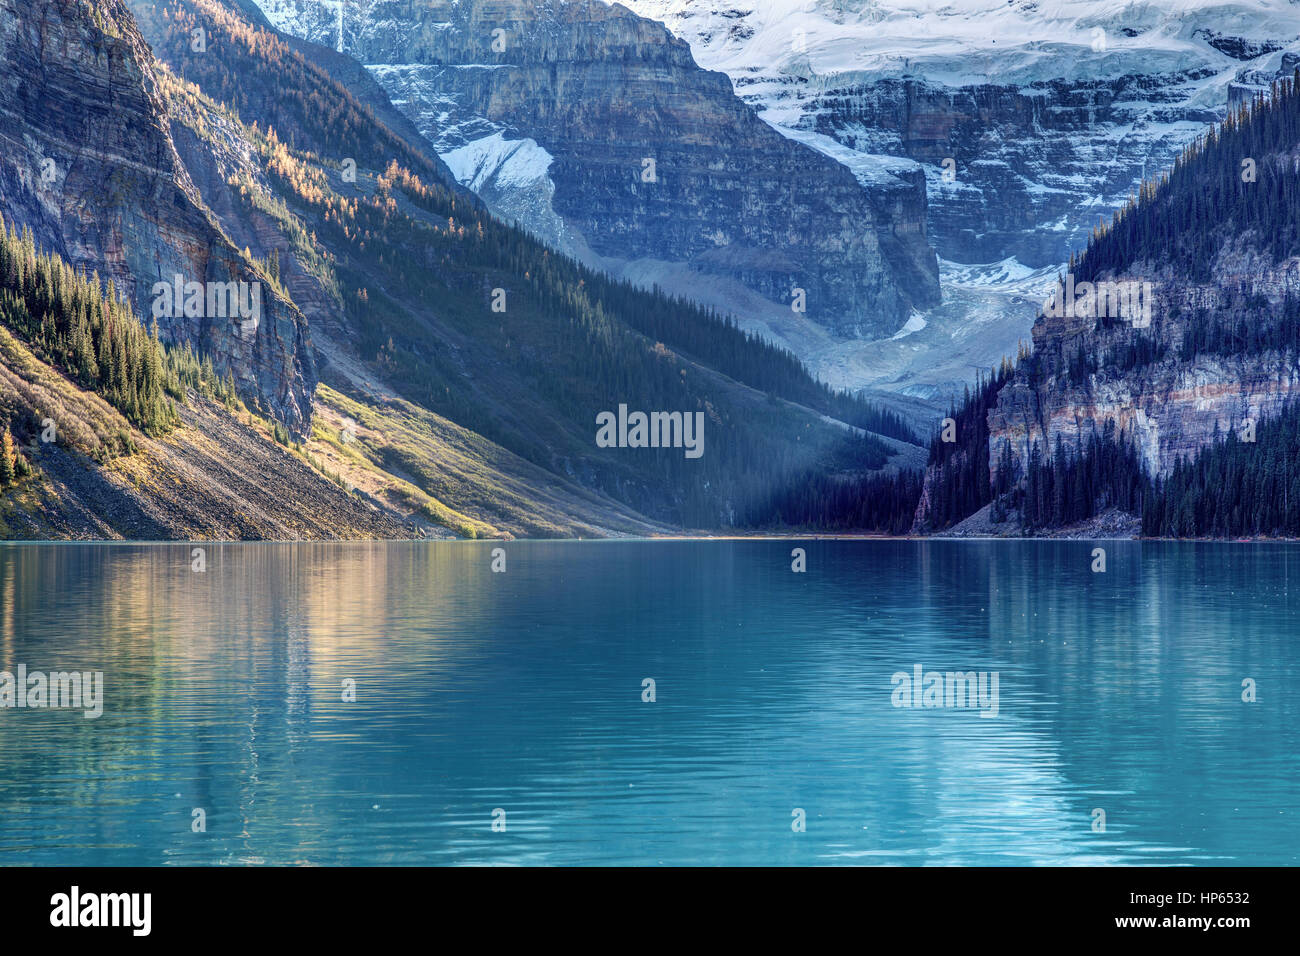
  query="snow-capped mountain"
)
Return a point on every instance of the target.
[
  {"x": 595, "y": 129},
  {"x": 1024, "y": 122},
  {"x": 1031, "y": 119}
]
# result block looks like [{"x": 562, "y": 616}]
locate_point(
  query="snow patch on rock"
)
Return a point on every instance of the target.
[
  {"x": 914, "y": 324},
  {"x": 517, "y": 164}
]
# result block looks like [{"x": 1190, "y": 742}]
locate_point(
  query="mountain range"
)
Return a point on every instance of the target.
[
  {"x": 379, "y": 268},
  {"x": 415, "y": 367},
  {"x": 596, "y": 130},
  {"x": 996, "y": 133}
]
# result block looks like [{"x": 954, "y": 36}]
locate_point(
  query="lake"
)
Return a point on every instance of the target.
[{"x": 402, "y": 703}]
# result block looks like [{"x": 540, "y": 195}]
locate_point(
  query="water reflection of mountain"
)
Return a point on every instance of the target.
[{"x": 523, "y": 691}]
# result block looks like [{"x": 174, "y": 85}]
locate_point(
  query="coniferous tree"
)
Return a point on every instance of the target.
[{"x": 8, "y": 459}]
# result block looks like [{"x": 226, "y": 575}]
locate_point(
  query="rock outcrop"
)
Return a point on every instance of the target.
[{"x": 1171, "y": 408}]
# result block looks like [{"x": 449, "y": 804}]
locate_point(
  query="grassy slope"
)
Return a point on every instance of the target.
[
  {"x": 419, "y": 462},
  {"x": 218, "y": 475}
]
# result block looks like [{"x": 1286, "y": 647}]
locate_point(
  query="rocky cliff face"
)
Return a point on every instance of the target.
[
  {"x": 1175, "y": 328},
  {"x": 90, "y": 167},
  {"x": 1172, "y": 407},
  {"x": 1026, "y": 164},
  {"x": 633, "y": 152},
  {"x": 1047, "y": 115}
]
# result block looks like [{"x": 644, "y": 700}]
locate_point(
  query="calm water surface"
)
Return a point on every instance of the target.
[{"x": 522, "y": 692}]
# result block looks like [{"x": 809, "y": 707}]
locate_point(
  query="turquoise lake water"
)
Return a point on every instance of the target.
[{"x": 774, "y": 693}]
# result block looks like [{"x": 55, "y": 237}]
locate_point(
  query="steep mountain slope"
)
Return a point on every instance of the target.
[
  {"x": 594, "y": 128},
  {"x": 104, "y": 436},
  {"x": 352, "y": 76},
  {"x": 1120, "y": 391},
  {"x": 1216, "y": 240},
  {"x": 90, "y": 172},
  {"x": 90, "y": 168}
]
